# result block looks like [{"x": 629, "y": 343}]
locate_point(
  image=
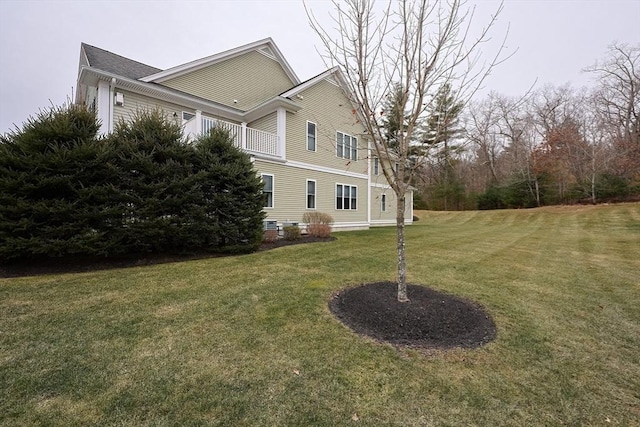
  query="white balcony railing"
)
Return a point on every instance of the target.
[
  {"x": 246, "y": 138},
  {"x": 262, "y": 142}
]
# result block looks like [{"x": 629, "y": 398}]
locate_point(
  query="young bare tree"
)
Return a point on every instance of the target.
[{"x": 418, "y": 46}]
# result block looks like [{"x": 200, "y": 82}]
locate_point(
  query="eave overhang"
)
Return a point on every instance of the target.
[{"x": 91, "y": 76}]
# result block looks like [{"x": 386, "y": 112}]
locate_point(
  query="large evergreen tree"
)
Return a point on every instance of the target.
[
  {"x": 52, "y": 176},
  {"x": 65, "y": 192},
  {"x": 441, "y": 131}
]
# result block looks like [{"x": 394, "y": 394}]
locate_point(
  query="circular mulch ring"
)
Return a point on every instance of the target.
[{"x": 431, "y": 319}]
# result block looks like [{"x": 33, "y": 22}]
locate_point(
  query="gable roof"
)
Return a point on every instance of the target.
[
  {"x": 325, "y": 75},
  {"x": 112, "y": 63},
  {"x": 264, "y": 46},
  {"x": 333, "y": 75}
]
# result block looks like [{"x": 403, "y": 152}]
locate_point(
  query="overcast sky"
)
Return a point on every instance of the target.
[{"x": 40, "y": 40}]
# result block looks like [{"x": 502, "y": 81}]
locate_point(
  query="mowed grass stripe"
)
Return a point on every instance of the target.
[{"x": 249, "y": 340}]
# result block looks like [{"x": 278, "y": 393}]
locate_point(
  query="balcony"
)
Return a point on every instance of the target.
[{"x": 246, "y": 138}]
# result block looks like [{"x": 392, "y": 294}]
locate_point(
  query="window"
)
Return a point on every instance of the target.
[
  {"x": 376, "y": 166},
  {"x": 396, "y": 167},
  {"x": 346, "y": 146},
  {"x": 383, "y": 206},
  {"x": 346, "y": 197},
  {"x": 311, "y": 136},
  {"x": 311, "y": 194},
  {"x": 268, "y": 190}
]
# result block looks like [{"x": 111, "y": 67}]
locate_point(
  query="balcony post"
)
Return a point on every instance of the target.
[
  {"x": 243, "y": 135},
  {"x": 281, "y": 123},
  {"x": 198, "y": 122},
  {"x": 105, "y": 108}
]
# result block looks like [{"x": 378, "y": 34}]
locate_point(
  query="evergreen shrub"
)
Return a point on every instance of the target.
[{"x": 64, "y": 191}]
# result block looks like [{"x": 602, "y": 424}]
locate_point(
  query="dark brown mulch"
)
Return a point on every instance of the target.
[
  {"x": 81, "y": 264},
  {"x": 431, "y": 319}
]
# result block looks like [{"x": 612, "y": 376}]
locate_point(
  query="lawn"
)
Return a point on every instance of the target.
[{"x": 249, "y": 340}]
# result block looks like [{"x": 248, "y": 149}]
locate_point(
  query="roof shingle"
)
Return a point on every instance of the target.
[{"x": 116, "y": 64}]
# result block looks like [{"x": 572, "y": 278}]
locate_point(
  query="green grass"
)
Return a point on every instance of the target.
[{"x": 249, "y": 341}]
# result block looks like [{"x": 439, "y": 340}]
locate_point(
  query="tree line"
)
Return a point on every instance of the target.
[{"x": 554, "y": 145}]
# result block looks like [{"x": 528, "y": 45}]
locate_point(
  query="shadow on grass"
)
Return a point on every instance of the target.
[{"x": 78, "y": 264}]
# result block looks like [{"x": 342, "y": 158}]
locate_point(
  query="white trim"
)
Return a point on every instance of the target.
[
  {"x": 379, "y": 185},
  {"x": 315, "y": 195},
  {"x": 183, "y": 120},
  {"x": 335, "y": 197},
  {"x": 267, "y": 52},
  {"x": 198, "y": 122},
  {"x": 352, "y": 138},
  {"x": 243, "y": 135},
  {"x": 267, "y": 158},
  {"x": 315, "y": 136},
  {"x": 311, "y": 82},
  {"x": 281, "y": 131},
  {"x": 333, "y": 76},
  {"x": 411, "y": 204},
  {"x": 369, "y": 184},
  {"x": 92, "y": 77},
  {"x": 269, "y": 106},
  {"x": 273, "y": 190},
  {"x": 346, "y": 226},
  {"x": 104, "y": 107},
  {"x": 385, "y": 222},
  {"x": 222, "y": 56},
  {"x": 317, "y": 168}
]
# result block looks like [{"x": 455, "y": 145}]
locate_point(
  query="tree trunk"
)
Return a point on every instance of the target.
[{"x": 402, "y": 265}]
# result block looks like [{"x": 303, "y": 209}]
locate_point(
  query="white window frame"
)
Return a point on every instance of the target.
[
  {"x": 343, "y": 198},
  {"x": 346, "y": 146},
  {"x": 273, "y": 190},
  {"x": 315, "y": 194},
  {"x": 383, "y": 205},
  {"x": 315, "y": 136}
]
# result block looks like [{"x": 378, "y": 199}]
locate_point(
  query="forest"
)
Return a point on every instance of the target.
[{"x": 552, "y": 145}]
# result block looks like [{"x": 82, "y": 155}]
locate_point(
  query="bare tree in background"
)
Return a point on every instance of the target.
[
  {"x": 618, "y": 101},
  {"x": 418, "y": 46}
]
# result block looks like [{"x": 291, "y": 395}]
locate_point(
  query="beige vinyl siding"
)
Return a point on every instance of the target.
[
  {"x": 134, "y": 103},
  {"x": 267, "y": 123},
  {"x": 390, "y": 214},
  {"x": 380, "y": 178},
  {"x": 325, "y": 105},
  {"x": 290, "y": 193},
  {"x": 250, "y": 78}
]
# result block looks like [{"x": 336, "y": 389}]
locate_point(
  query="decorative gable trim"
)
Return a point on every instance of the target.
[
  {"x": 333, "y": 76},
  {"x": 327, "y": 75},
  {"x": 266, "y": 47},
  {"x": 268, "y": 53}
]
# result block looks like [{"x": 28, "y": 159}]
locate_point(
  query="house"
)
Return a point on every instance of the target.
[{"x": 305, "y": 138}]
